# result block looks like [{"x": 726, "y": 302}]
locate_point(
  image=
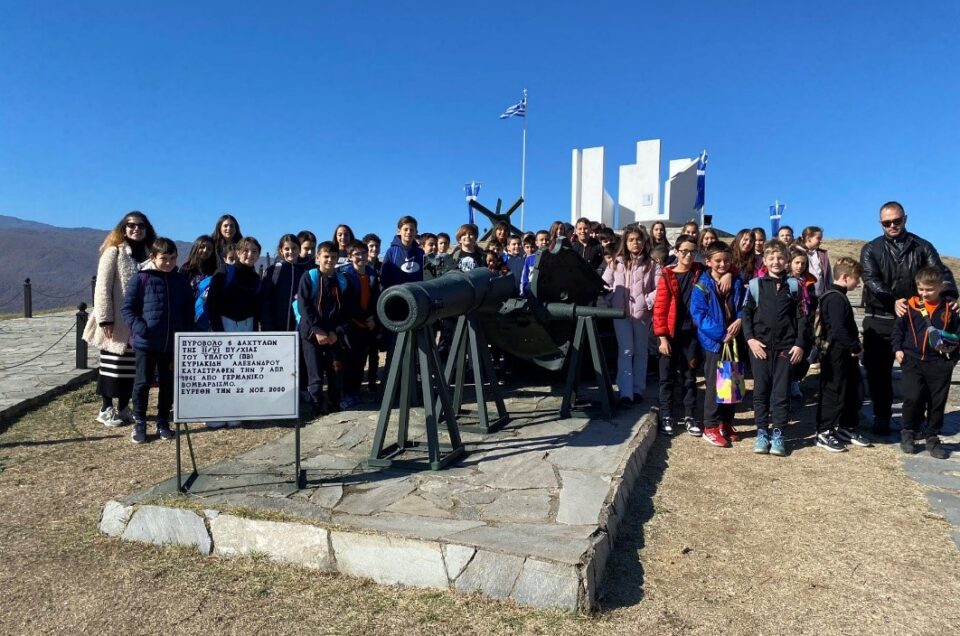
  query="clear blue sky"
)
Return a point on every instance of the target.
[{"x": 293, "y": 115}]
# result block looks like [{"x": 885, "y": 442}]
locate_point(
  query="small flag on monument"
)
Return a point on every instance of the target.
[
  {"x": 517, "y": 110},
  {"x": 701, "y": 181}
]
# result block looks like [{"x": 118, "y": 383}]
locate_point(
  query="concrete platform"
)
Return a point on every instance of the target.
[{"x": 530, "y": 514}]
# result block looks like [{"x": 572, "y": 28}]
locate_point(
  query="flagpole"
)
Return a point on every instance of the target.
[{"x": 523, "y": 163}]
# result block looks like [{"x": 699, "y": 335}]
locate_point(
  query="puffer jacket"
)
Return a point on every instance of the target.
[
  {"x": 665, "y": 302},
  {"x": 889, "y": 272},
  {"x": 157, "y": 306},
  {"x": 116, "y": 268},
  {"x": 710, "y": 317},
  {"x": 633, "y": 287}
]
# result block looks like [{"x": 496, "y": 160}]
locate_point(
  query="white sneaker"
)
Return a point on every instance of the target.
[
  {"x": 126, "y": 414},
  {"x": 109, "y": 417}
]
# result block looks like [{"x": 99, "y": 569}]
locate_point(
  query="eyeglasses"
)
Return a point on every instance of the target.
[
  {"x": 136, "y": 226},
  {"x": 685, "y": 252},
  {"x": 897, "y": 222}
]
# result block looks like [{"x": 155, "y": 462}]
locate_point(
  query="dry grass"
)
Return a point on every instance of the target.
[{"x": 815, "y": 543}]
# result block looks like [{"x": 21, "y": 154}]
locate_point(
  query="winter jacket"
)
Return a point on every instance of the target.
[
  {"x": 910, "y": 330},
  {"x": 157, "y": 306},
  {"x": 115, "y": 271},
  {"x": 324, "y": 310},
  {"x": 711, "y": 314},
  {"x": 837, "y": 320},
  {"x": 591, "y": 252},
  {"x": 778, "y": 321},
  {"x": 401, "y": 264},
  {"x": 666, "y": 303},
  {"x": 237, "y": 301},
  {"x": 359, "y": 309},
  {"x": 889, "y": 269},
  {"x": 634, "y": 288},
  {"x": 277, "y": 291}
]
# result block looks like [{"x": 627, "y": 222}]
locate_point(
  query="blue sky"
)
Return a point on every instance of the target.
[{"x": 306, "y": 114}]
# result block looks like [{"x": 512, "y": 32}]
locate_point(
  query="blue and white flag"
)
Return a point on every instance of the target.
[
  {"x": 517, "y": 110},
  {"x": 472, "y": 190},
  {"x": 701, "y": 181},
  {"x": 776, "y": 213}
]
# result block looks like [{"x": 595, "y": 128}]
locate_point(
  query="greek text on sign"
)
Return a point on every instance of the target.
[{"x": 236, "y": 376}]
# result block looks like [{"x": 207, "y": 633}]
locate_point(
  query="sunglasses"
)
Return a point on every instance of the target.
[
  {"x": 897, "y": 222},
  {"x": 136, "y": 226}
]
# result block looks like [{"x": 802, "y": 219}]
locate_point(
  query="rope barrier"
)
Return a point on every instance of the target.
[
  {"x": 72, "y": 294},
  {"x": 15, "y": 296},
  {"x": 70, "y": 329}
]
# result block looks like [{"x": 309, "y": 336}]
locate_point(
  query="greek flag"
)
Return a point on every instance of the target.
[
  {"x": 518, "y": 109},
  {"x": 701, "y": 181}
]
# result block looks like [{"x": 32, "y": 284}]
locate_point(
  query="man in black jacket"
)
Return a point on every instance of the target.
[{"x": 890, "y": 263}]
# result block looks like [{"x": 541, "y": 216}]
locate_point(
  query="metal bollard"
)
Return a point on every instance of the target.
[
  {"x": 93, "y": 289},
  {"x": 27, "y": 299},
  {"x": 81, "y": 343}
]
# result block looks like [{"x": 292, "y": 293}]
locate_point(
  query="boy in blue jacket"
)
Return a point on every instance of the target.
[
  {"x": 717, "y": 318},
  {"x": 159, "y": 303},
  {"x": 925, "y": 343},
  {"x": 403, "y": 262}
]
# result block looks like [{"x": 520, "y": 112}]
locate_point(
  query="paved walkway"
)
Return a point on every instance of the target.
[{"x": 37, "y": 360}]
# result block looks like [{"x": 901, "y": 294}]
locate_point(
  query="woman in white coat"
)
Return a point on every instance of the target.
[{"x": 122, "y": 253}]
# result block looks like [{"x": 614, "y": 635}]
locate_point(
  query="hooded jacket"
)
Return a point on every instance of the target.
[
  {"x": 633, "y": 287},
  {"x": 277, "y": 291},
  {"x": 157, "y": 306},
  {"x": 401, "y": 264},
  {"x": 910, "y": 331},
  {"x": 711, "y": 313}
]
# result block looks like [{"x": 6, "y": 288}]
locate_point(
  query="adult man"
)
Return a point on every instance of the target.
[
  {"x": 585, "y": 245},
  {"x": 890, "y": 263}
]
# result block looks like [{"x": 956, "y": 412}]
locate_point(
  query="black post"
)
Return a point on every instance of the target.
[
  {"x": 93, "y": 290},
  {"x": 81, "y": 343},
  {"x": 260, "y": 271},
  {"x": 27, "y": 299}
]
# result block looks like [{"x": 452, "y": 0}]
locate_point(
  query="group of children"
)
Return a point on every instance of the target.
[{"x": 703, "y": 300}]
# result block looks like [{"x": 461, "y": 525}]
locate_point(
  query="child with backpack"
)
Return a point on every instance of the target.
[
  {"x": 322, "y": 315},
  {"x": 673, "y": 325},
  {"x": 799, "y": 271},
  {"x": 279, "y": 287},
  {"x": 776, "y": 330},
  {"x": 717, "y": 316},
  {"x": 926, "y": 345},
  {"x": 364, "y": 290},
  {"x": 838, "y": 341},
  {"x": 199, "y": 269},
  {"x": 233, "y": 303},
  {"x": 158, "y": 304}
]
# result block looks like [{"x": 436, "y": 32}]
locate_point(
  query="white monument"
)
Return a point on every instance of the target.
[{"x": 638, "y": 191}]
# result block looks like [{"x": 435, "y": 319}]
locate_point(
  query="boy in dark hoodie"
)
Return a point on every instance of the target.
[
  {"x": 403, "y": 262},
  {"x": 158, "y": 304},
  {"x": 925, "y": 344},
  {"x": 363, "y": 285},
  {"x": 323, "y": 313},
  {"x": 587, "y": 247}
]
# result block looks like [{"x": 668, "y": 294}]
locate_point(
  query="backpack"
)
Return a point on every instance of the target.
[
  {"x": 754, "y": 288},
  {"x": 200, "y": 303},
  {"x": 314, "y": 275},
  {"x": 819, "y": 332}
]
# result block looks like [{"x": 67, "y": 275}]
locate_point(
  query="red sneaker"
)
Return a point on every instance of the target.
[
  {"x": 729, "y": 432},
  {"x": 713, "y": 436}
]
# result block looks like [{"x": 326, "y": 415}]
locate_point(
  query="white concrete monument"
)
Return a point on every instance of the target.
[
  {"x": 588, "y": 197},
  {"x": 680, "y": 192},
  {"x": 640, "y": 186}
]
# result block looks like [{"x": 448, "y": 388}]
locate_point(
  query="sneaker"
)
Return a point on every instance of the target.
[
  {"x": 692, "y": 427},
  {"x": 666, "y": 425},
  {"x": 109, "y": 417},
  {"x": 795, "y": 391},
  {"x": 126, "y": 414},
  {"x": 714, "y": 436},
  {"x": 729, "y": 432},
  {"x": 762, "y": 445},
  {"x": 164, "y": 432},
  {"x": 936, "y": 450},
  {"x": 851, "y": 436},
  {"x": 906, "y": 442},
  {"x": 828, "y": 440},
  {"x": 139, "y": 433},
  {"x": 778, "y": 446}
]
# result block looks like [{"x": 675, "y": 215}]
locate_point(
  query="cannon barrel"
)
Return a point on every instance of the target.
[
  {"x": 564, "y": 311},
  {"x": 411, "y": 305}
]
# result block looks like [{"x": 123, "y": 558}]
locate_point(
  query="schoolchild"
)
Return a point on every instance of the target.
[
  {"x": 372, "y": 241},
  {"x": 443, "y": 243},
  {"x": 838, "y": 411},
  {"x": 678, "y": 345},
  {"x": 428, "y": 242},
  {"x": 542, "y": 242},
  {"x": 587, "y": 247},
  {"x": 279, "y": 287},
  {"x": 514, "y": 259},
  {"x": 633, "y": 279},
  {"x": 225, "y": 234},
  {"x": 759, "y": 238},
  {"x": 364, "y": 290},
  {"x": 308, "y": 245},
  {"x": 925, "y": 343},
  {"x": 320, "y": 303},
  {"x": 466, "y": 255},
  {"x": 343, "y": 236},
  {"x": 785, "y": 235},
  {"x": 233, "y": 303},
  {"x": 199, "y": 269},
  {"x": 744, "y": 258},
  {"x": 494, "y": 263},
  {"x": 776, "y": 329},
  {"x": 403, "y": 262},
  {"x": 229, "y": 254},
  {"x": 707, "y": 237},
  {"x": 529, "y": 243},
  {"x": 717, "y": 316},
  {"x": 818, "y": 259},
  {"x": 501, "y": 232},
  {"x": 658, "y": 236},
  {"x": 799, "y": 272},
  {"x": 158, "y": 304}
]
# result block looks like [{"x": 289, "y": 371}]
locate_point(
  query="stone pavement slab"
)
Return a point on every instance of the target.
[{"x": 528, "y": 514}]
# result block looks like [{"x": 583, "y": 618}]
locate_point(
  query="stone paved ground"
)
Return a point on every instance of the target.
[{"x": 33, "y": 364}]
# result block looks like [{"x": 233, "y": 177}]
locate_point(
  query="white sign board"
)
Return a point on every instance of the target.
[{"x": 236, "y": 376}]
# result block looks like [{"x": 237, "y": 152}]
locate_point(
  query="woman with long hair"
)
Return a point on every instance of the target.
[
  {"x": 633, "y": 279},
  {"x": 707, "y": 238},
  {"x": 658, "y": 235},
  {"x": 199, "y": 269},
  {"x": 226, "y": 233},
  {"x": 744, "y": 257},
  {"x": 121, "y": 254}
]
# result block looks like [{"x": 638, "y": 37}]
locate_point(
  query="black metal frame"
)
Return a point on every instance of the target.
[
  {"x": 468, "y": 338},
  {"x": 496, "y": 217},
  {"x": 587, "y": 329}
]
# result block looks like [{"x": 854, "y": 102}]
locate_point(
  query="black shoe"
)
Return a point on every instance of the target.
[
  {"x": 906, "y": 442},
  {"x": 666, "y": 425},
  {"x": 936, "y": 450},
  {"x": 829, "y": 441},
  {"x": 881, "y": 427},
  {"x": 692, "y": 427},
  {"x": 851, "y": 436},
  {"x": 164, "y": 432},
  {"x": 625, "y": 403},
  {"x": 139, "y": 433}
]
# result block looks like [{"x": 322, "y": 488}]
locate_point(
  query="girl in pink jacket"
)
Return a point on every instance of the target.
[{"x": 633, "y": 279}]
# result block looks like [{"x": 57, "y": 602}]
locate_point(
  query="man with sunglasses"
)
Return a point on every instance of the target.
[{"x": 890, "y": 263}]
